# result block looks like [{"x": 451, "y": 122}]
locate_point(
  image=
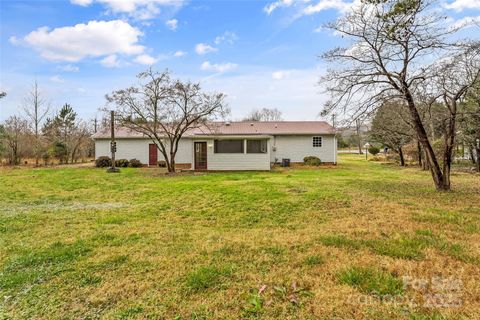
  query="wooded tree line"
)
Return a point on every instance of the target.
[
  {"x": 405, "y": 64},
  {"x": 392, "y": 127},
  {"x": 264, "y": 114},
  {"x": 44, "y": 136}
]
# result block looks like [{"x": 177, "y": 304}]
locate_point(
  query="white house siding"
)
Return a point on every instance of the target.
[
  {"x": 138, "y": 149},
  {"x": 291, "y": 147},
  {"x": 126, "y": 149},
  {"x": 296, "y": 148},
  {"x": 184, "y": 152},
  {"x": 236, "y": 161}
]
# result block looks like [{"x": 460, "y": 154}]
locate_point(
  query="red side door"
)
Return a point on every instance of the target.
[
  {"x": 200, "y": 155},
  {"x": 152, "y": 155}
]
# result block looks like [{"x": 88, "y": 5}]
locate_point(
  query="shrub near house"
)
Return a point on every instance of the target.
[
  {"x": 134, "y": 163},
  {"x": 373, "y": 150},
  {"x": 121, "y": 163},
  {"x": 312, "y": 161},
  {"x": 103, "y": 162}
]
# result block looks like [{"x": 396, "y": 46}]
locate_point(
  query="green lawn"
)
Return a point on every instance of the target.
[{"x": 335, "y": 242}]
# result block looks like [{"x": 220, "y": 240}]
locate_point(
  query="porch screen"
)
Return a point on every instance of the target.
[
  {"x": 228, "y": 146},
  {"x": 256, "y": 146}
]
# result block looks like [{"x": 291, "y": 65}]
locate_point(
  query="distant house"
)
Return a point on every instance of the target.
[{"x": 231, "y": 145}]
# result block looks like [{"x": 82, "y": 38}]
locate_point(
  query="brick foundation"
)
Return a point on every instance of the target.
[{"x": 184, "y": 166}]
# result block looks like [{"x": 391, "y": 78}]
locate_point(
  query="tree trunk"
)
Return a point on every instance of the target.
[
  {"x": 15, "y": 159},
  {"x": 425, "y": 166},
  {"x": 419, "y": 150},
  {"x": 435, "y": 170},
  {"x": 478, "y": 159},
  {"x": 36, "y": 150},
  {"x": 172, "y": 163},
  {"x": 448, "y": 151},
  {"x": 163, "y": 151},
  {"x": 402, "y": 159},
  {"x": 359, "y": 140},
  {"x": 472, "y": 155}
]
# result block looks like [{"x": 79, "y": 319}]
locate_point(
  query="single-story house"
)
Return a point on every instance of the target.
[{"x": 231, "y": 145}]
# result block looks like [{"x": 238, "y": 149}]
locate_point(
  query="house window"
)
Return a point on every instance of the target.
[
  {"x": 256, "y": 146},
  {"x": 317, "y": 142},
  {"x": 228, "y": 146}
]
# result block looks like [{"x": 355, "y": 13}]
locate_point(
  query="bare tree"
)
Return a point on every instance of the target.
[
  {"x": 391, "y": 127},
  {"x": 164, "y": 109},
  {"x": 429, "y": 111},
  {"x": 67, "y": 130},
  {"x": 36, "y": 109},
  {"x": 453, "y": 77},
  {"x": 469, "y": 123},
  {"x": 358, "y": 129},
  {"x": 264, "y": 114},
  {"x": 390, "y": 42},
  {"x": 14, "y": 131}
]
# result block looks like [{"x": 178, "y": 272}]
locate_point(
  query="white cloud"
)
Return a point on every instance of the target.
[
  {"x": 465, "y": 22},
  {"x": 460, "y": 5},
  {"x": 111, "y": 61},
  {"x": 179, "y": 53},
  {"x": 277, "y": 4},
  {"x": 203, "y": 48},
  {"x": 222, "y": 67},
  {"x": 145, "y": 59},
  {"x": 94, "y": 39},
  {"x": 139, "y": 9},
  {"x": 312, "y": 8},
  {"x": 82, "y": 3},
  {"x": 358, "y": 49},
  {"x": 325, "y": 5},
  {"x": 13, "y": 40},
  {"x": 281, "y": 74},
  {"x": 227, "y": 37},
  {"x": 69, "y": 68},
  {"x": 57, "y": 79},
  {"x": 172, "y": 24}
]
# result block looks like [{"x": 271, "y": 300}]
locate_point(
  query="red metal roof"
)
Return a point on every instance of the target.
[{"x": 240, "y": 128}]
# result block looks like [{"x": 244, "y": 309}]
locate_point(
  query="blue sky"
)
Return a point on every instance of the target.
[{"x": 260, "y": 53}]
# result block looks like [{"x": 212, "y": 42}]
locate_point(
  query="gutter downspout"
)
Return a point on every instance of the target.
[
  {"x": 274, "y": 149},
  {"x": 335, "y": 144}
]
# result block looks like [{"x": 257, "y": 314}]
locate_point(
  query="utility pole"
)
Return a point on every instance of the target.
[{"x": 113, "y": 143}]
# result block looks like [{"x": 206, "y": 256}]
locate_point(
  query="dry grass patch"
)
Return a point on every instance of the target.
[{"x": 289, "y": 244}]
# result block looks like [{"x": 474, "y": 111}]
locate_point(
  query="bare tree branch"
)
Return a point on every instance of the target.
[{"x": 164, "y": 110}]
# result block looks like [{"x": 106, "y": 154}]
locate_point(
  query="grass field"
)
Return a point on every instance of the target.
[{"x": 362, "y": 240}]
